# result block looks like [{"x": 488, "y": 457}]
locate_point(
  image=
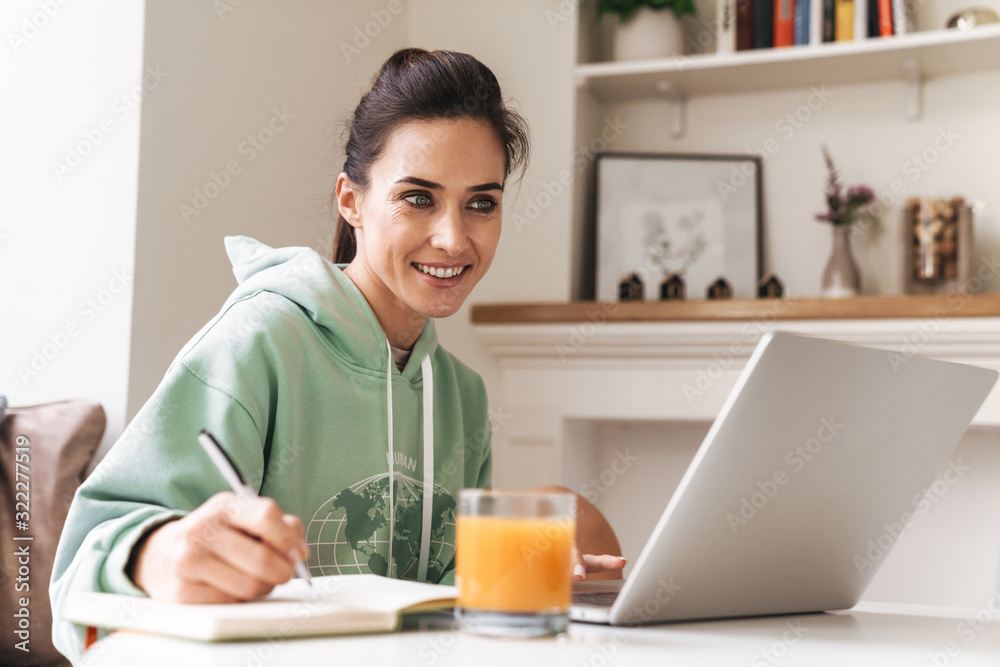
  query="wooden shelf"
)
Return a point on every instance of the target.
[
  {"x": 934, "y": 52},
  {"x": 865, "y": 307}
]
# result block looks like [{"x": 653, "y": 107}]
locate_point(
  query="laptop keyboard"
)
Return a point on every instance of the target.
[{"x": 596, "y": 598}]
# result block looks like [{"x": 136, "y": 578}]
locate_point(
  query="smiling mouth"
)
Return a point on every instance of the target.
[{"x": 440, "y": 272}]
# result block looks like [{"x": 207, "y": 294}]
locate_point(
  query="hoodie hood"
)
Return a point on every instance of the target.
[
  {"x": 321, "y": 289},
  {"x": 330, "y": 298}
]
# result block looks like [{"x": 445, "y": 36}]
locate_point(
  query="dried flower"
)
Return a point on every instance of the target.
[{"x": 844, "y": 208}]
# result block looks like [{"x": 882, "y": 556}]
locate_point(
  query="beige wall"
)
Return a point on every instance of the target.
[
  {"x": 533, "y": 59},
  {"x": 229, "y": 72},
  {"x": 272, "y": 72},
  {"x": 872, "y": 143}
]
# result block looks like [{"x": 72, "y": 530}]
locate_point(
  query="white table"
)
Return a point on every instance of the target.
[{"x": 870, "y": 634}]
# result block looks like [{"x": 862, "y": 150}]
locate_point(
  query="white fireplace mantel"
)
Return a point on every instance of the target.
[{"x": 684, "y": 370}]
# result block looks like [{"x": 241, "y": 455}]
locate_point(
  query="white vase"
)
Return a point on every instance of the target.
[
  {"x": 840, "y": 277},
  {"x": 649, "y": 33}
]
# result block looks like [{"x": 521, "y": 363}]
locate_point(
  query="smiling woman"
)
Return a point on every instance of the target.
[
  {"x": 324, "y": 382},
  {"x": 425, "y": 235},
  {"x": 429, "y": 149}
]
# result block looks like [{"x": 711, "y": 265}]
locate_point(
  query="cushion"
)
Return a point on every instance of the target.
[{"x": 44, "y": 452}]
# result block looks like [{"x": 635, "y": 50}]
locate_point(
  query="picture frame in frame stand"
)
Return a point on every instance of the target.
[
  {"x": 937, "y": 245},
  {"x": 691, "y": 215}
]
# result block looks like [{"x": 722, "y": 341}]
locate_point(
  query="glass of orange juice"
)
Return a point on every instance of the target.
[{"x": 513, "y": 560}]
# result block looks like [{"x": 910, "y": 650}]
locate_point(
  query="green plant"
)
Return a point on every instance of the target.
[{"x": 625, "y": 8}]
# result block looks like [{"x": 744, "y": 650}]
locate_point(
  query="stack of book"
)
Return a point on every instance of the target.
[{"x": 760, "y": 24}]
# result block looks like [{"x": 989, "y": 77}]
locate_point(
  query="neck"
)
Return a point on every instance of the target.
[{"x": 402, "y": 325}]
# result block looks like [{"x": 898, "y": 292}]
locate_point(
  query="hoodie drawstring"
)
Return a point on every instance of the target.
[
  {"x": 392, "y": 458},
  {"x": 428, "y": 499},
  {"x": 428, "y": 487}
]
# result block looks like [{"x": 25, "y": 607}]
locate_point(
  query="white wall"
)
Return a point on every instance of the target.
[
  {"x": 871, "y": 142},
  {"x": 532, "y": 54},
  {"x": 232, "y": 73},
  {"x": 72, "y": 82}
]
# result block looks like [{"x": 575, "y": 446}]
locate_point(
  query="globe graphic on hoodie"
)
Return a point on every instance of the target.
[{"x": 349, "y": 533}]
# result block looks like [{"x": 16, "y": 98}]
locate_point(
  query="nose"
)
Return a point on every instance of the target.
[{"x": 449, "y": 233}]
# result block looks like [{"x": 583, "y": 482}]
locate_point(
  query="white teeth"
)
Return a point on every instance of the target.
[{"x": 440, "y": 272}]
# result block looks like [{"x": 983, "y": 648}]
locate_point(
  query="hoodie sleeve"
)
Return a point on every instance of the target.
[{"x": 155, "y": 472}]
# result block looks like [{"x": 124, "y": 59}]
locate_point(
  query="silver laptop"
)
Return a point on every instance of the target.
[{"x": 818, "y": 453}]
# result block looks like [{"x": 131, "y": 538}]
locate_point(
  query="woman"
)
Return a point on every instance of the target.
[{"x": 313, "y": 378}]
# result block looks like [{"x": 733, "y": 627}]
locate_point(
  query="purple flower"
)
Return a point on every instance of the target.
[
  {"x": 861, "y": 193},
  {"x": 843, "y": 208}
]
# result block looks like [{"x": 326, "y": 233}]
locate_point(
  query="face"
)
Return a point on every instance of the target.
[{"x": 428, "y": 223}]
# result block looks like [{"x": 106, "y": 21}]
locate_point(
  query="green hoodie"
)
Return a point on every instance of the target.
[{"x": 291, "y": 379}]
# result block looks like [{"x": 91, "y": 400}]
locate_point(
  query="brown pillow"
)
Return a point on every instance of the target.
[{"x": 44, "y": 451}]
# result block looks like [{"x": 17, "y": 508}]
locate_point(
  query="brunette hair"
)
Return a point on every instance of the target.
[{"x": 415, "y": 85}]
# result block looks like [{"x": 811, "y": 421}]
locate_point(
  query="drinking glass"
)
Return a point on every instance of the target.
[{"x": 513, "y": 561}]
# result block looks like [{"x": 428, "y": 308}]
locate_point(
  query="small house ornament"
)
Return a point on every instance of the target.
[
  {"x": 770, "y": 287},
  {"x": 720, "y": 290},
  {"x": 630, "y": 288},
  {"x": 672, "y": 288}
]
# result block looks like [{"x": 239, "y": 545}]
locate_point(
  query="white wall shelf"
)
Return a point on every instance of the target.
[
  {"x": 938, "y": 52},
  {"x": 909, "y": 58}
]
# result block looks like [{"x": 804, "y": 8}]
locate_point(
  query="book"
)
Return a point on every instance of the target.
[
  {"x": 844, "y": 31},
  {"x": 784, "y": 24},
  {"x": 900, "y": 25},
  {"x": 874, "y": 16},
  {"x": 744, "y": 25},
  {"x": 885, "y": 28},
  {"x": 815, "y": 22},
  {"x": 341, "y": 604},
  {"x": 860, "y": 20},
  {"x": 829, "y": 20},
  {"x": 725, "y": 36},
  {"x": 802, "y": 22},
  {"x": 763, "y": 24}
]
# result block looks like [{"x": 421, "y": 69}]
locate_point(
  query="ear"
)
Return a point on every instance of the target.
[{"x": 349, "y": 200}]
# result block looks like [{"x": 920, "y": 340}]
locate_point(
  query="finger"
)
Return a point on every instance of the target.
[
  {"x": 579, "y": 570},
  {"x": 263, "y": 519},
  {"x": 222, "y": 578},
  {"x": 251, "y": 557},
  {"x": 603, "y": 563}
]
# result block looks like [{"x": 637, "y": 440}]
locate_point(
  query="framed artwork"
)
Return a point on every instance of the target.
[{"x": 693, "y": 216}]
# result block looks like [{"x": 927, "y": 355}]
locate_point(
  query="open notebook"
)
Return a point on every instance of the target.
[{"x": 342, "y": 604}]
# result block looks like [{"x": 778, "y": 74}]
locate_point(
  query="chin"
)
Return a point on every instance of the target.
[
  {"x": 438, "y": 308},
  {"x": 440, "y": 311},
  {"x": 438, "y": 304}
]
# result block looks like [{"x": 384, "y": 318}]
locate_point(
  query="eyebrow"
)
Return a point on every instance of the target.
[{"x": 431, "y": 185}]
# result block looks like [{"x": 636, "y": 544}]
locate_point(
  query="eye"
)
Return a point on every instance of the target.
[
  {"x": 483, "y": 205},
  {"x": 418, "y": 199}
]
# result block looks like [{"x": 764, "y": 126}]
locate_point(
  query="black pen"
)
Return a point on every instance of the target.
[{"x": 235, "y": 480}]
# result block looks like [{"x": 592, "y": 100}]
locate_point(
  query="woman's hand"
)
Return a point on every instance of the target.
[
  {"x": 231, "y": 548},
  {"x": 594, "y": 535},
  {"x": 585, "y": 566}
]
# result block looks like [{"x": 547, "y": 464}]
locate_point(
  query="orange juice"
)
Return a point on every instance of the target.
[{"x": 514, "y": 564}]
